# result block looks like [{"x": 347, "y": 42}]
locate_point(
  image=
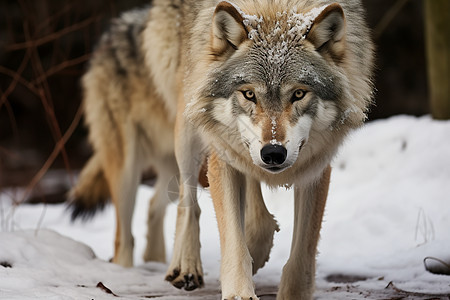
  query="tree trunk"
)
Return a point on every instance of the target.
[{"x": 437, "y": 29}]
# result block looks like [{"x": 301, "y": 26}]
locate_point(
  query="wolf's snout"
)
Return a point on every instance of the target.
[{"x": 273, "y": 154}]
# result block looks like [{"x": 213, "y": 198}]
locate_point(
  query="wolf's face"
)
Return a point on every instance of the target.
[{"x": 277, "y": 82}]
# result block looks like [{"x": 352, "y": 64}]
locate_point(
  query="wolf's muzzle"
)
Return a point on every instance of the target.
[{"x": 273, "y": 155}]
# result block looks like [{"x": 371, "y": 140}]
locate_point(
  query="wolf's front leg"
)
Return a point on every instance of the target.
[
  {"x": 297, "y": 280},
  {"x": 228, "y": 194},
  {"x": 185, "y": 270}
]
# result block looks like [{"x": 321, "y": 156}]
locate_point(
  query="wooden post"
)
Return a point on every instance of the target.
[{"x": 437, "y": 31}]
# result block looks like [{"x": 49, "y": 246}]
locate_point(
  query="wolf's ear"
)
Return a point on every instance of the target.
[
  {"x": 328, "y": 32},
  {"x": 228, "y": 30}
]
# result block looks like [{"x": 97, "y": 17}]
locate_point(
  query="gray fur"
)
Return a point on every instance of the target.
[
  {"x": 122, "y": 43},
  {"x": 159, "y": 67}
]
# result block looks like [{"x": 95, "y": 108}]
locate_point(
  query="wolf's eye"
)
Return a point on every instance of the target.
[
  {"x": 249, "y": 95},
  {"x": 298, "y": 95}
]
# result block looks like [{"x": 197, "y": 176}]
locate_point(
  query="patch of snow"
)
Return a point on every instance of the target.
[
  {"x": 296, "y": 25},
  {"x": 274, "y": 131}
]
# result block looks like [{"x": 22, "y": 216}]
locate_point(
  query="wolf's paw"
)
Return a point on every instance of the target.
[
  {"x": 124, "y": 255},
  {"x": 241, "y": 298},
  {"x": 298, "y": 291},
  {"x": 259, "y": 239},
  {"x": 185, "y": 270},
  {"x": 185, "y": 280}
]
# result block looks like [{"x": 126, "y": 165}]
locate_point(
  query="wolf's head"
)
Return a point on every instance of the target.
[{"x": 279, "y": 79}]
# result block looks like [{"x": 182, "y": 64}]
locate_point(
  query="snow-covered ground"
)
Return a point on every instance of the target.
[{"x": 388, "y": 209}]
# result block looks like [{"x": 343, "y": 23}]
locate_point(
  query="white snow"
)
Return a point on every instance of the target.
[
  {"x": 297, "y": 25},
  {"x": 274, "y": 140},
  {"x": 388, "y": 209}
]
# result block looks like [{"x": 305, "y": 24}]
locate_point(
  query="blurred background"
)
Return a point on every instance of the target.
[{"x": 44, "y": 49}]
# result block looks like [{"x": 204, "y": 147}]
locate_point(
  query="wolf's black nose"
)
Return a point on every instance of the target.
[{"x": 273, "y": 154}]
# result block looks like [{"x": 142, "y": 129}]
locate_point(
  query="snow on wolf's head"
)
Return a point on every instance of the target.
[{"x": 276, "y": 79}]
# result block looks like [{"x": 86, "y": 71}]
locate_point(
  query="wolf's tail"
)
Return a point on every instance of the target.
[{"x": 90, "y": 193}]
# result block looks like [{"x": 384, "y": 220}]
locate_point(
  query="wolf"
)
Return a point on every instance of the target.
[{"x": 262, "y": 91}]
